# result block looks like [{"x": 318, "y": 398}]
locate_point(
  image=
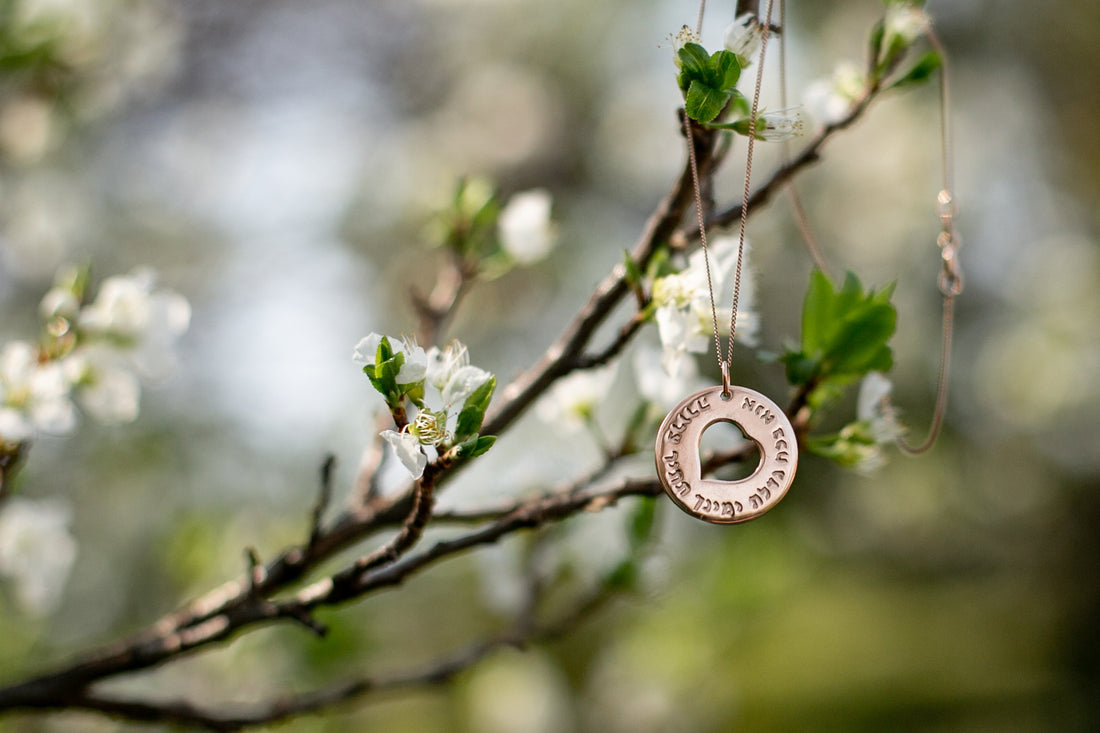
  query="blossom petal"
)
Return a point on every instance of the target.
[
  {"x": 415, "y": 367},
  {"x": 367, "y": 349},
  {"x": 526, "y": 232},
  {"x": 462, "y": 384},
  {"x": 407, "y": 449}
]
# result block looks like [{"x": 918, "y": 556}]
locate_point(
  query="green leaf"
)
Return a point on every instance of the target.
[
  {"x": 877, "y": 34},
  {"x": 630, "y": 268},
  {"x": 482, "y": 445},
  {"x": 800, "y": 368},
  {"x": 828, "y": 391},
  {"x": 817, "y": 313},
  {"x": 642, "y": 522},
  {"x": 725, "y": 70},
  {"x": 926, "y": 66},
  {"x": 858, "y": 346},
  {"x": 703, "y": 103},
  {"x": 739, "y": 105},
  {"x": 384, "y": 351},
  {"x": 624, "y": 576},
  {"x": 694, "y": 63},
  {"x": 473, "y": 410}
]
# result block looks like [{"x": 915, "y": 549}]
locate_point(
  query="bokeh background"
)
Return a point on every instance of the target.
[{"x": 277, "y": 163}]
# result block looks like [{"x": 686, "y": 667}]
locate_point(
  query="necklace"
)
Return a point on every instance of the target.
[{"x": 677, "y": 450}]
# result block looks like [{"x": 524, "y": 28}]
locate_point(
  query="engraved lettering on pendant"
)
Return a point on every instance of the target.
[
  {"x": 679, "y": 464},
  {"x": 682, "y": 417}
]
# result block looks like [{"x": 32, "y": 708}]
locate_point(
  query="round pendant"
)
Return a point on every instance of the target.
[{"x": 679, "y": 465}]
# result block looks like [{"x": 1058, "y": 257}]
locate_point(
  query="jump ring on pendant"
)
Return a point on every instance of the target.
[{"x": 727, "y": 393}]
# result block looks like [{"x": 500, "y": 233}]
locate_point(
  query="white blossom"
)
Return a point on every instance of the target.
[
  {"x": 408, "y": 450},
  {"x": 571, "y": 402},
  {"x": 904, "y": 23},
  {"x": 103, "y": 386},
  {"x": 779, "y": 126},
  {"x": 743, "y": 36},
  {"x": 131, "y": 314},
  {"x": 526, "y": 231},
  {"x": 59, "y": 301},
  {"x": 34, "y": 396},
  {"x": 685, "y": 323},
  {"x": 450, "y": 372},
  {"x": 128, "y": 307},
  {"x": 413, "y": 369},
  {"x": 656, "y": 384},
  {"x": 876, "y": 425},
  {"x": 830, "y": 100},
  {"x": 873, "y": 407},
  {"x": 36, "y": 550},
  {"x": 434, "y": 413}
]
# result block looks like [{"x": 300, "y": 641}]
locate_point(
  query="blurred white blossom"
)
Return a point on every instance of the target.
[
  {"x": 830, "y": 100},
  {"x": 743, "y": 36},
  {"x": 876, "y": 425},
  {"x": 34, "y": 396},
  {"x": 130, "y": 327},
  {"x": 874, "y": 407},
  {"x": 132, "y": 314},
  {"x": 570, "y": 404},
  {"x": 903, "y": 23},
  {"x": 416, "y": 359},
  {"x": 36, "y": 550},
  {"x": 684, "y": 319},
  {"x": 526, "y": 232},
  {"x": 103, "y": 386},
  {"x": 779, "y": 126},
  {"x": 59, "y": 301},
  {"x": 659, "y": 387}
]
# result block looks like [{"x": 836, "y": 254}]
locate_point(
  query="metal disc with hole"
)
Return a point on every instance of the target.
[{"x": 679, "y": 463}]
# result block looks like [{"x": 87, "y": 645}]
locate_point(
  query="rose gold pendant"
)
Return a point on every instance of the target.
[{"x": 679, "y": 465}]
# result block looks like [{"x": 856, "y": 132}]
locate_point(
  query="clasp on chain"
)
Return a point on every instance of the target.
[
  {"x": 727, "y": 393},
  {"x": 950, "y": 280}
]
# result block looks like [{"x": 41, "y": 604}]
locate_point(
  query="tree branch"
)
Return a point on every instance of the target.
[
  {"x": 285, "y": 707},
  {"x": 245, "y": 603}
]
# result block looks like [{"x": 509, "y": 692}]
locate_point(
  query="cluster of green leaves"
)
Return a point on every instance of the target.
[
  {"x": 467, "y": 227},
  {"x": 709, "y": 82},
  {"x": 383, "y": 377},
  {"x": 853, "y": 445},
  {"x": 845, "y": 335},
  {"x": 888, "y": 50},
  {"x": 31, "y": 54}
]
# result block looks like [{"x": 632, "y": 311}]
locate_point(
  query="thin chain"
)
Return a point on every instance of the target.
[
  {"x": 693, "y": 164},
  {"x": 689, "y": 131},
  {"x": 950, "y": 279},
  {"x": 799, "y": 211},
  {"x": 748, "y": 179}
]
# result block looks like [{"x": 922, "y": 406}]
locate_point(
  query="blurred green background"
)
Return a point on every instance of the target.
[{"x": 277, "y": 162}]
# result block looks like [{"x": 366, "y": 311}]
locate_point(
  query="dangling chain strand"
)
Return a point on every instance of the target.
[
  {"x": 748, "y": 178},
  {"x": 950, "y": 279}
]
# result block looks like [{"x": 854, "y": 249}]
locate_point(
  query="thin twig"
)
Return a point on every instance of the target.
[{"x": 324, "y": 497}]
